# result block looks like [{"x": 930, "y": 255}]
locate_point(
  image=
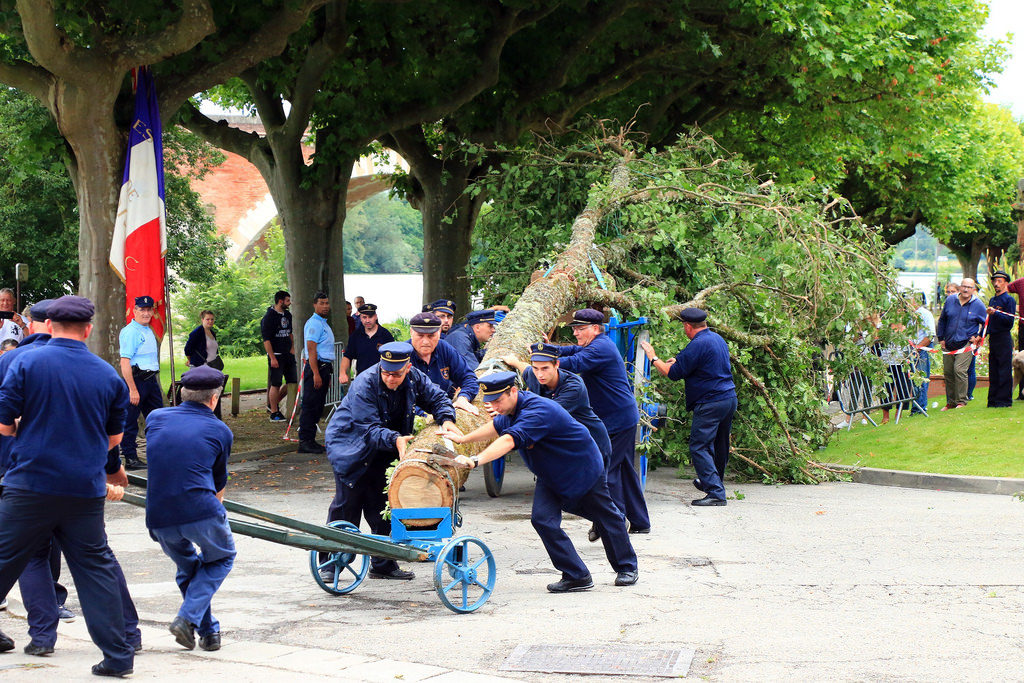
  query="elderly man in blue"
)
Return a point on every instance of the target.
[
  {"x": 319, "y": 354},
  {"x": 598, "y": 362},
  {"x": 72, "y": 409},
  {"x": 467, "y": 340},
  {"x": 711, "y": 397},
  {"x": 370, "y": 429},
  {"x": 140, "y": 367},
  {"x": 570, "y": 477},
  {"x": 959, "y": 324},
  {"x": 188, "y": 449},
  {"x": 436, "y": 358}
]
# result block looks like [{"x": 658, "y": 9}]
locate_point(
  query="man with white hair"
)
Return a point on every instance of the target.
[
  {"x": 960, "y": 324},
  {"x": 12, "y": 325}
]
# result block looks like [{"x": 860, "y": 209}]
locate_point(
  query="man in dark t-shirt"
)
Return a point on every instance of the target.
[
  {"x": 364, "y": 345},
  {"x": 279, "y": 343}
]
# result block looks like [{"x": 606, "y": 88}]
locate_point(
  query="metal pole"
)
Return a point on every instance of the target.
[{"x": 169, "y": 328}]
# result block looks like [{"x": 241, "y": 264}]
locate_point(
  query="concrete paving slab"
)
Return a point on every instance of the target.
[{"x": 389, "y": 670}]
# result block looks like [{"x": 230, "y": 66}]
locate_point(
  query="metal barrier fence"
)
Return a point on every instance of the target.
[
  {"x": 336, "y": 390},
  {"x": 858, "y": 394}
]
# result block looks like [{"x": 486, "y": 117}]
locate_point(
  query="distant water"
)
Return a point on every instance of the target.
[
  {"x": 925, "y": 282},
  {"x": 397, "y": 295}
]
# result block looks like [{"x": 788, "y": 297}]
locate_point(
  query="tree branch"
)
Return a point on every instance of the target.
[
  {"x": 196, "y": 22},
  {"x": 268, "y": 104},
  {"x": 48, "y": 45},
  {"x": 220, "y": 133},
  {"x": 28, "y": 77},
  {"x": 310, "y": 77},
  {"x": 759, "y": 386}
]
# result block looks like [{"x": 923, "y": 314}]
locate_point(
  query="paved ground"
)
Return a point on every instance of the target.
[{"x": 838, "y": 581}]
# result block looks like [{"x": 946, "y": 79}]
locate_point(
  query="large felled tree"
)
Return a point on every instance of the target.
[{"x": 75, "y": 58}]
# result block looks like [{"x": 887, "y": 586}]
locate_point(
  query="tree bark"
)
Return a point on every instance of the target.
[{"x": 969, "y": 257}]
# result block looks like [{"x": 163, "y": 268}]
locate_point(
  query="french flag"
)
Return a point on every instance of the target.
[{"x": 140, "y": 230}]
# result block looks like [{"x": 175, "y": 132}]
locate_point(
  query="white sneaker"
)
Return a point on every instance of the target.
[{"x": 863, "y": 420}]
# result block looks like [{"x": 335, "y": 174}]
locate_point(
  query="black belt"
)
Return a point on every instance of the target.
[{"x": 140, "y": 375}]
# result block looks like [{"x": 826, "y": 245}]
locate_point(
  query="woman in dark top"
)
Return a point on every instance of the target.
[{"x": 202, "y": 348}]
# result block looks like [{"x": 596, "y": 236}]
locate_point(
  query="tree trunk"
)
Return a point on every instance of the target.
[
  {"x": 970, "y": 257},
  {"x": 85, "y": 119},
  {"x": 542, "y": 303},
  {"x": 449, "y": 216}
]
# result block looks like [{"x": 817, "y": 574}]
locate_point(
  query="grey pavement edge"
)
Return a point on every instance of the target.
[{"x": 1004, "y": 486}]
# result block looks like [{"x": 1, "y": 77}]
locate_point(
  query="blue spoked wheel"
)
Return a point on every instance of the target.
[
  {"x": 494, "y": 474},
  {"x": 349, "y": 568},
  {"x": 464, "y": 574}
]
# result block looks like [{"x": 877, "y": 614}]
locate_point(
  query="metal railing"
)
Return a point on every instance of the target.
[{"x": 859, "y": 394}]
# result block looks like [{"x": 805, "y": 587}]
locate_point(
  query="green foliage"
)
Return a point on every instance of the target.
[
  {"x": 383, "y": 235},
  {"x": 800, "y": 272},
  {"x": 238, "y": 294}
]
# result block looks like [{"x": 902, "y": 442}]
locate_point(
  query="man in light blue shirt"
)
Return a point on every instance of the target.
[
  {"x": 924, "y": 338},
  {"x": 140, "y": 367},
  {"x": 319, "y": 355}
]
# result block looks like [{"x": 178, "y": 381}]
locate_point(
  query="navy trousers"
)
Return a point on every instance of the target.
[
  {"x": 709, "y": 443},
  {"x": 596, "y": 506},
  {"x": 201, "y": 573},
  {"x": 624, "y": 482},
  {"x": 150, "y": 399},
  {"x": 27, "y": 521},
  {"x": 313, "y": 401},
  {"x": 366, "y": 498}
]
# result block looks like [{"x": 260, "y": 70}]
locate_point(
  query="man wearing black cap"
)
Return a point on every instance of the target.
[
  {"x": 188, "y": 449},
  {"x": 570, "y": 477},
  {"x": 710, "y": 396},
  {"x": 599, "y": 363},
  {"x": 364, "y": 345},
  {"x": 440, "y": 362},
  {"x": 72, "y": 409},
  {"x": 444, "y": 309},
  {"x": 1000, "y": 349},
  {"x": 370, "y": 429},
  {"x": 140, "y": 367},
  {"x": 468, "y": 340}
]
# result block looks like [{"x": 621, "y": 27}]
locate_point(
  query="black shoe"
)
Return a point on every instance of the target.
[
  {"x": 327, "y": 576},
  {"x": 311, "y": 447},
  {"x": 277, "y": 417},
  {"x": 626, "y": 578},
  {"x": 136, "y": 647},
  {"x": 707, "y": 501},
  {"x": 38, "y": 650},
  {"x": 5, "y": 642},
  {"x": 571, "y": 585},
  {"x": 593, "y": 535},
  {"x": 698, "y": 484},
  {"x": 395, "y": 574},
  {"x": 639, "y": 530},
  {"x": 184, "y": 633},
  {"x": 102, "y": 669},
  {"x": 210, "y": 642},
  {"x": 134, "y": 464}
]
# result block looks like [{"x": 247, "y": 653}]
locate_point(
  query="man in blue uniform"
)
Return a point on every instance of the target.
[
  {"x": 570, "y": 477},
  {"x": 1000, "y": 349},
  {"x": 599, "y": 363},
  {"x": 72, "y": 410},
  {"x": 959, "y": 325},
  {"x": 364, "y": 345},
  {"x": 370, "y": 429},
  {"x": 279, "y": 343},
  {"x": 444, "y": 309},
  {"x": 319, "y": 354},
  {"x": 140, "y": 367},
  {"x": 437, "y": 359},
  {"x": 188, "y": 450},
  {"x": 710, "y": 396},
  {"x": 468, "y": 340}
]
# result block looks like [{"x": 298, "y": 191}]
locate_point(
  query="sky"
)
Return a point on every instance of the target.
[{"x": 1007, "y": 16}]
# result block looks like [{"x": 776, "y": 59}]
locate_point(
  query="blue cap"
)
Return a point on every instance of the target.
[
  {"x": 480, "y": 317},
  {"x": 692, "y": 315},
  {"x": 394, "y": 355},
  {"x": 587, "y": 316},
  {"x": 203, "y": 377},
  {"x": 144, "y": 302},
  {"x": 40, "y": 310},
  {"x": 425, "y": 322},
  {"x": 368, "y": 309},
  {"x": 494, "y": 385},
  {"x": 71, "y": 309},
  {"x": 543, "y": 352},
  {"x": 442, "y": 306}
]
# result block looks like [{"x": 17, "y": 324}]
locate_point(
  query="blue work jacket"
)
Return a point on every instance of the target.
[
  {"x": 959, "y": 322},
  {"x": 358, "y": 430},
  {"x": 704, "y": 364},
  {"x": 604, "y": 372},
  {"x": 464, "y": 341},
  {"x": 571, "y": 394},
  {"x": 448, "y": 370}
]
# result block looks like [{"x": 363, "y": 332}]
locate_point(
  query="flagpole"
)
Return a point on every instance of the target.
[{"x": 170, "y": 329}]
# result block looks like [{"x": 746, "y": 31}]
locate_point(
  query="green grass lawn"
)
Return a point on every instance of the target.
[
  {"x": 252, "y": 371},
  {"x": 973, "y": 440}
]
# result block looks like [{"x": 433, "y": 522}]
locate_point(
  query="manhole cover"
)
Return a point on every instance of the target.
[{"x": 624, "y": 660}]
